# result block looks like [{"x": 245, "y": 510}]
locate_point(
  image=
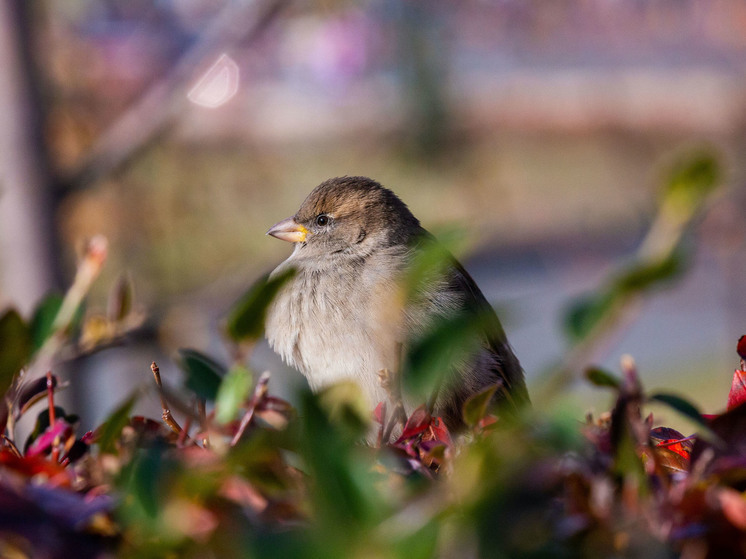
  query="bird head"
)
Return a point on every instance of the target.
[{"x": 347, "y": 216}]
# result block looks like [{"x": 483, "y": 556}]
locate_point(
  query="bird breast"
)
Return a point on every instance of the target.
[{"x": 342, "y": 322}]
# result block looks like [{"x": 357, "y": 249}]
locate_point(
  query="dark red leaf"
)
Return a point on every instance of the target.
[
  {"x": 671, "y": 460},
  {"x": 32, "y": 392},
  {"x": 416, "y": 424},
  {"x": 741, "y": 347},
  {"x": 737, "y": 394},
  {"x": 79, "y": 448},
  {"x": 664, "y": 433},
  {"x": 671, "y": 439},
  {"x": 439, "y": 431},
  {"x": 148, "y": 430},
  {"x": 268, "y": 402},
  {"x": 730, "y": 429},
  {"x": 679, "y": 446},
  {"x": 88, "y": 438}
]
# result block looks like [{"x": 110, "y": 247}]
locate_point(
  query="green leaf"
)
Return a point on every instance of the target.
[
  {"x": 691, "y": 180},
  {"x": 627, "y": 459},
  {"x": 475, "y": 407},
  {"x": 431, "y": 358},
  {"x": 108, "y": 433},
  {"x": 345, "y": 492},
  {"x": 644, "y": 275},
  {"x": 346, "y": 408},
  {"x": 585, "y": 313},
  {"x": 15, "y": 347},
  {"x": 147, "y": 480},
  {"x": 418, "y": 542},
  {"x": 684, "y": 407},
  {"x": 429, "y": 262},
  {"x": 233, "y": 391},
  {"x": 43, "y": 320},
  {"x": 246, "y": 319},
  {"x": 601, "y": 377},
  {"x": 203, "y": 373}
]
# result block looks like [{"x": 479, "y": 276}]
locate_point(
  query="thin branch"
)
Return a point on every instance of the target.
[
  {"x": 204, "y": 428},
  {"x": 168, "y": 419},
  {"x": 12, "y": 446},
  {"x": 259, "y": 392},
  {"x": 50, "y": 398},
  {"x": 239, "y": 21}
]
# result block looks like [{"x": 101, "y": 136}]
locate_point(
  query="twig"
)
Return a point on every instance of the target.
[
  {"x": 259, "y": 392},
  {"x": 52, "y": 416},
  {"x": 166, "y": 415},
  {"x": 12, "y": 446},
  {"x": 398, "y": 416},
  {"x": 88, "y": 270},
  {"x": 204, "y": 428},
  {"x": 50, "y": 398},
  {"x": 183, "y": 437}
]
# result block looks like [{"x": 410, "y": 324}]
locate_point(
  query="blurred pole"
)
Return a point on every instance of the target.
[
  {"x": 28, "y": 256},
  {"x": 423, "y": 59}
]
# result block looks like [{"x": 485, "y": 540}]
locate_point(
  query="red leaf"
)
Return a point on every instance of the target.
[
  {"x": 733, "y": 506},
  {"x": 665, "y": 437},
  {"x": 487, "y": 423},
  {"x": 60, "y": 431},
  {"x": 31, "y": 466},
  {"x": 737, "y": 394},
  {"x": 379, "y": 412},
  {"x": 741, "y": 347},
  {"x": 416, "y": 424},
  {"x": 440, "y": 432},
  {"x": 677, "y": 446}
]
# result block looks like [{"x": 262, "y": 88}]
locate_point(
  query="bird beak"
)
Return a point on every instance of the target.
[{"x": 288, "y": 230}]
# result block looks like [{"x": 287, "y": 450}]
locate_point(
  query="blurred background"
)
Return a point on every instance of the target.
[{"x": 183, "y": 129}]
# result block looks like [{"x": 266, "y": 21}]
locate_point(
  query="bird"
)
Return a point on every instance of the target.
[{"x": 342, "y": 315}]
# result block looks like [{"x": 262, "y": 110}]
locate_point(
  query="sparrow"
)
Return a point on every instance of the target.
[{"x": 342, "y": 316}]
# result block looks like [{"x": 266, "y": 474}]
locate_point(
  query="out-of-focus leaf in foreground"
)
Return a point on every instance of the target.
[
  {"x": 692, "y": 179},
  {"x": 204, "y": 374},
  {"x": 246, "y": 319},
  {"x": 15, "y": 347},
  {"x": 43, "y": 319},
  {"x": 430, "y": 359},
  {"x": 476, "y": 406},
  {"x": 109, "y": 431},
  {"x": 234, "y": 388}
]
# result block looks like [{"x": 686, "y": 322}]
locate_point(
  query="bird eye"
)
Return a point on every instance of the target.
[{"x": 322, "y": 220}]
